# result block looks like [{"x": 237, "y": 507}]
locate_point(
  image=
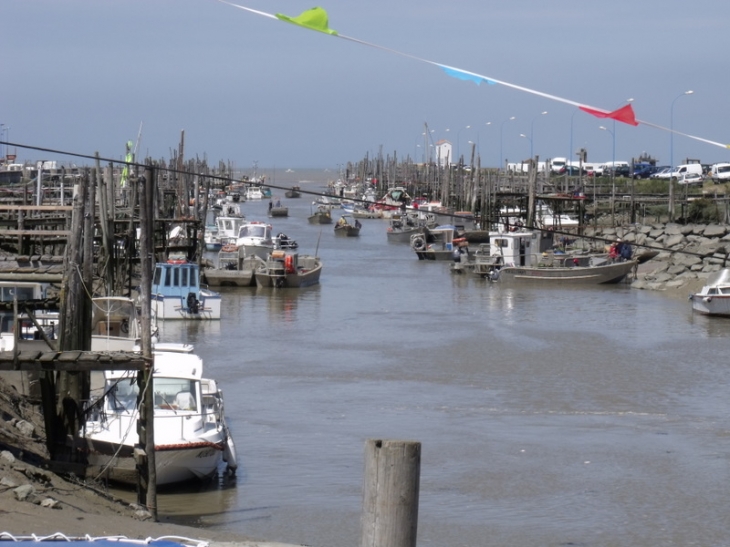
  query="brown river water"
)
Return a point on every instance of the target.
[{"x": 547, "y": 416}]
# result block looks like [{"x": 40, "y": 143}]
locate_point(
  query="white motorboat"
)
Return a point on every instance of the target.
[
  {"x": 255, "y": 238},
  {"x": 177, "y": 294},
  {"x": 254, "y": 193},
  {"x": 227, "y": 228},
  {"x": 115, "y": 324},
  {"x": 191, "y": 436},
  {"x": 714, "y": 297}
]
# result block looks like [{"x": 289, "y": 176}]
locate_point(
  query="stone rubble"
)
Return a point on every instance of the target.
[{"x": 688, "y": 254}]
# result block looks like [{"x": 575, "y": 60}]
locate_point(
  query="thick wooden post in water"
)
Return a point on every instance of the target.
[{"x": 390, "y": 493}]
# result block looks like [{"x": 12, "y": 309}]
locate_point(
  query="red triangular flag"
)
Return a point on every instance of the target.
[{"x": 624, "y": 114}]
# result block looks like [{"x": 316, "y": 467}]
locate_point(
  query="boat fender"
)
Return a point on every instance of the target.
[
  {"x": 418, "y": 244},
  {"x": 289, "y": 264},
  {"x": 707, "y": 299},
  {"x": 229, "y": 454}
]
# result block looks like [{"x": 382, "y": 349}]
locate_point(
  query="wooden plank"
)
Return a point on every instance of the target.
[
  {"x": 35, "y": 233},
  {"x": 72, "y": 361},
  {"x": 36, "y": 208}
]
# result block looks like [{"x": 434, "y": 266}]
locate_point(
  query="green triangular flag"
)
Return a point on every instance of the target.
[{"x": 314, "y": 19}]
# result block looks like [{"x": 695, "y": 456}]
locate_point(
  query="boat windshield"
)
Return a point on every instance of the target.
[
  {"x": 175, "y": 393},
  {"x": 252, "y": 231},
  {"x": 121, "y": 394}
]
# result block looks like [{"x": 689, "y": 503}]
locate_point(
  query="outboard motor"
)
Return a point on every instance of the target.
[{"x": 193, "y": 303}]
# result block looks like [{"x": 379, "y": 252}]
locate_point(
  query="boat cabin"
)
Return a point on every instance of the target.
[
  {"x": 522, "y": 248},
  {"x": 254, "y": 231}
]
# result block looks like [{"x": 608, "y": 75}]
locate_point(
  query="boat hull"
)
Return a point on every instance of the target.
[
  {"x": 195, "y": 461},
  {"x": 176, "y": 307},
  {"x": 716, "y": 304},
  {"x": 589, "y": 275},
  {"x": 320, "y": 219},
  {"x": 216, "y": 277},
  {"x": 274, "y": 275}
]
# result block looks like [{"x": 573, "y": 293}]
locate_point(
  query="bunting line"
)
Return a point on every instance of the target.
[{"x": 316, "y": 19}]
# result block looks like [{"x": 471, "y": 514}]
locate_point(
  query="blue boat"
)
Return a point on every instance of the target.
[{"x": 177, "y": 294}]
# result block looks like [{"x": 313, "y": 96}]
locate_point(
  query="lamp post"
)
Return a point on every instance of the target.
[
  {"x": 479, "y": 149},
  {"x": 458, "y": 143},
  {"x": 532, "y": 130},
  {"x": 501, "y": 140},
  {"x": 529, "y": 139},
  {"x": 613, "y": 163},
  {"x": 671, "y": 132}
]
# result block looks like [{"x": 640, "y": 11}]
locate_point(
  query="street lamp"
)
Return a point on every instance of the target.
[
  {"x": 479, "y": 149},
  {"x": 532, "y": 130},
  {"x": 613, "y": 162},
  {"x": 458, "y": 142},
  {"x": 501, "y": 140},
  {"x": 671, "y": 132}
]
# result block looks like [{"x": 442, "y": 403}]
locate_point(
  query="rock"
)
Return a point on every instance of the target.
[
  {"x": 7, "y": 457},
  {"x": 714, "y": 230},
  {"x": 24, "y": 492},
  {"x": 142, "y": 514},
  {"x": 26, "y": 428},
  {"x": 8, "y": 482},
  {"x": 50, "y": 503},
  {"x": 673, "y": 240}
]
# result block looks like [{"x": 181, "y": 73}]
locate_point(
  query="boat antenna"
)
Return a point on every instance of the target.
[{"x": 316, "y": 250}]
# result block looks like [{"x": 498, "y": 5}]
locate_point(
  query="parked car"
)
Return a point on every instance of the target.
[
  {"x": 663, "y": 172},
  {"x": 618, "y": 171},
  {"x": 720, "y": 172},
  {"x": 644, "y": 170},
  {"x": 691, "y": 178},
  {"x": 571, "y": 170}
]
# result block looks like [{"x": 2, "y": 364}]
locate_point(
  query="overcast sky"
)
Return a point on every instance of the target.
[{"x": 82, "y": 75}]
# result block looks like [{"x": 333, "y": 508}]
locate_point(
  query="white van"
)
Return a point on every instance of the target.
[
  {"x": 720, "y": 172},
  {"x": 686, "y": 169}
]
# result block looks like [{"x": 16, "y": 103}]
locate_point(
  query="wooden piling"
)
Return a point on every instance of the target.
[{"x": 390, "y": 493}]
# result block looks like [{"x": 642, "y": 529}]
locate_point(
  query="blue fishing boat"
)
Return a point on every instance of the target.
[{"x": 177, "y": 294}]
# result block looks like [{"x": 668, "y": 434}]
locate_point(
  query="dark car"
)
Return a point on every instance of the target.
[
  {"x": 644, "y": 170},
  {"x": 618, "y": 171}
]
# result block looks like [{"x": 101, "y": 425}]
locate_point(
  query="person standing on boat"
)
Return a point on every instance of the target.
[{"x": 271, "y": 205}]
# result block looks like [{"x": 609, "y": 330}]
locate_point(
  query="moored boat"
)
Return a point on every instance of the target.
[
  {"x": 287, "y": 269},
  {"x": 191, "y": 433},
  {"x": 234, "y": 269},
  {"x": 321, "y": 215},
  {"x": 177, "y": 294},
  {"x": 255, "y": 238},
  {"x": 714, "y": 297},
  {"x": 437, "y": 243},
  {"x": 293, "y": 192}
]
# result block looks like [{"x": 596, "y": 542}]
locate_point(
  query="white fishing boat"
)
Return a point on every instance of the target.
[
  {"x": 227, "y": 227},
  {"x": 255, "y": 238},
  {"x": 254, "y": 193},
  {"x": 191, "y": 436},
  {"x": 177, "y": 294},
  {"x": 115, "y": 324},
  {"x": 714, "y": 297}
]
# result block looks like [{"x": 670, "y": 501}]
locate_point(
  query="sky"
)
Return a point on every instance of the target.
[{"x": 83, "y": 76}]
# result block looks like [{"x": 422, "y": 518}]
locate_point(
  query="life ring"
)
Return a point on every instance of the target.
[
  {"x": 229, "y": 248},
  {"x": 418, "y": 243},
  {"x": 177, "y": 261},
  {"x": 289, "y": 264},
  {"x": 458, "y": 240}
]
